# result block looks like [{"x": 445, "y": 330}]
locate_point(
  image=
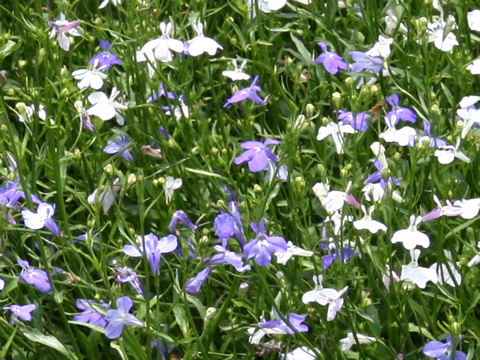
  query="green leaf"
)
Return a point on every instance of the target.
[
  {"x": 306, "y": 57},
  {"x": 9, "y": 48},
  {"x": 48, "y": 340},
  {"x": 4, "y": 350},
  {"x": 420, "y": 330},
  {"x": 181, "y": 319}
]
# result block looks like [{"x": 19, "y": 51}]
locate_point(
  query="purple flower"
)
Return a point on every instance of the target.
[
  {"x": 35, "y": 277},
  {"x": 249, "y": 92},
  {"x": 332, "y": 62},
  {"x": 42, "y": 218},
  {"x": 263, "y": 246},
  {"x": 345, "y": 254},
  {"x": 226, "y": 256},
  {"x": 295, "y": 324},
  {"x": 119, "y": 146},
  {"x": 117, "y": 319},
  {"x": 427, "y": 135},
  {"x": 257, "y": 154},
  {"x": 358, "y": 122},
  {"x": 22, "y": 311},
  {"x": 161, "y": 93},
  {"x": 125, "y": 274},
  {"x": 11, "y": 194},
  {"x": 195, "y": 283},
  {"x": 365, "y": 62},
  {"x": 89, "y": 314},
  {"x": 154, "y": 248},
  {"x": 443, "y": 351},
  {"x": 180, "y": 215},
  {"x": 398, "y": 112},
  {"x": 105, "y": 59}
]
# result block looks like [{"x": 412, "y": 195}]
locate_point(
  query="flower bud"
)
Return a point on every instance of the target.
[
  {"x": 257, "y": 188},
  {"x": 209, "y": 314},
  {"x": 132, "y": 179},
  {"x": 336, "y": 99},
  {"x": 349, "y": 81},
  {"x": 310, "y": 109},
  {"x": 108, "y": 169},
  {"x": 21, "y": 107},
  {"x": 243, "y": 288}
]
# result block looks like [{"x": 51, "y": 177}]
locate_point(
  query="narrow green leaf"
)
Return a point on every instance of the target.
[{"x": 48, "y": 340}]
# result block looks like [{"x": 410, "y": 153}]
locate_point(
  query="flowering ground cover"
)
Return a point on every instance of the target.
[{"x": 241, "y": 179}]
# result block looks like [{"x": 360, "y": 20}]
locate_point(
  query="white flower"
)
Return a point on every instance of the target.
[
  {"x": 401, "y": 136},
  {"x": 106, "y": 108},
  {"x": 300, "y": 353},
  {"x": 61, "y": 28},
  {"x": 474, "y": 67},
  {"x": 373, "y": 192},
  {"x": 367, "y": 223},
  {"x": 334, "y": 200},
  {"x": 325, "y": 296},
  {"x": 436, "y": 32},
  {"x": 473, "y": 18},
  {"x": 201, "y": 44},
  {"x": 105, "y": 3},
  {"x": 292, "y": 250},
  {"x": 105, "y": 196},
  {"x": 237, "y": 73},
  {"x": 391, "y": 22},
  {"x": 417, "y": 274},
  {"x": 179, "y": 111},
  {"x": 389, "y": 273},
  {"x": 347, "y": 342},
  {"x": 271, "y": 5},
  {"x": 469, "y": 113},
  {"x": 336, "y": 131},
  {"x": 338, "y": 220},
  {"x": 469, "y": 208},
  {"x": 90, "y": 77},
  {"x": 411, "y": 237},
  {"x": 26, "y": 112},
  {"x": 476, "y": 259},
  {"x": 446, "y": 154},
  {"x": 381, "y": 47},
  {"x": 446, "y": 271},
  {"x": 171, "y": 184},
  {"x": 160, "y": 48}
]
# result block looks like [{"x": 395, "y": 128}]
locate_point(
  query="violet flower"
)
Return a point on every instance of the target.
[
  {"x": 263, "y": 246},
  {"x": 257, "y": 154},
  {"x": 180, "y": 215},
  {"x": 331, "y": 61},
  {"x": 105, "y": 59},
  {"x": 117, "y": 319},
  {"x": 35, "y": 277},
  {"x": 226, "y": 256},
  {"x": 162, "y": 92},
  {"x": 365, "y": 62},
  {"x": 42, "y": 218},
  {"x": 195, "y": 283},
  {"x": 154, "y": 248},
  {"x": 295, "y": 324},
  {"x": 89, "y": 314},
  {"x": 125, "y": 274},
  {"x": 358, "y": 121},
  {"x": 427, "y": 135},
  {"x": 22, "y": 312},
  {"x": 249, "y": 92},
  {"x": 117, "y": 146},
  {"x": 443, "y": 351},
  {"x": 398, "y": 112}
]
